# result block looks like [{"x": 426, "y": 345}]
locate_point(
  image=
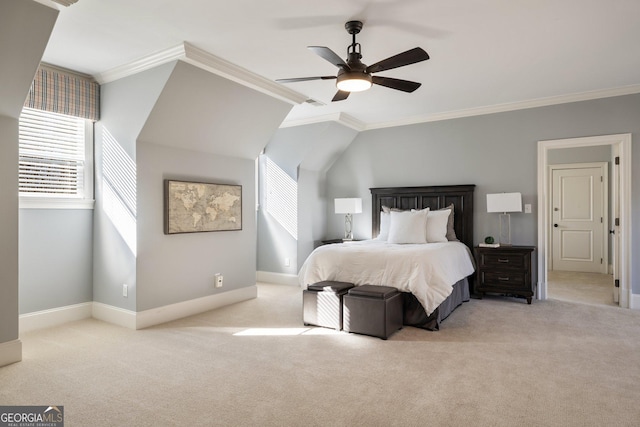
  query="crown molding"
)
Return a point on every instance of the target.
[
  {"x": 66, "y": 3},
  {"x": 205, "y": 60},
  {"x": 513, "y": 106},
  {"x": 49, "y": 3},
  {"x": 342, "y": 118},
  {"x": 145, "y": 63},
  {"x": 190, "y": 54}
]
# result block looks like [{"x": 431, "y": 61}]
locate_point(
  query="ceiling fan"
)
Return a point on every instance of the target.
[{"x": 354, "y": 76}]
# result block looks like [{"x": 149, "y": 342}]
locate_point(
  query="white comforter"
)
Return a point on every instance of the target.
[{"x": 428, "y": 271}]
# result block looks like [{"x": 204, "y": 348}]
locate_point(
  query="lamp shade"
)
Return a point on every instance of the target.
[
  {"x": 504, "y": 202},
  {"x": 348, "y": 206}
]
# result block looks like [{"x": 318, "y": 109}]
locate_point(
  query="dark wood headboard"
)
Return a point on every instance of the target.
[{"x": 434, "y": 197}]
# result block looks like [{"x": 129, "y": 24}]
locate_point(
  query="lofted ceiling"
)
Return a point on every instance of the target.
[{"x": 486, "y": 56}]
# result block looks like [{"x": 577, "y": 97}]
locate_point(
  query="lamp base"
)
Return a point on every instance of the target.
[
  {"x": 505, "y": 230},
  {"x": 348, "y": 230}
]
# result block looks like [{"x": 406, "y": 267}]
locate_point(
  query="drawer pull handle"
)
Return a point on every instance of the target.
[
  {"x": 503, "y": 279},
  {"x": 502, "y": 260}
]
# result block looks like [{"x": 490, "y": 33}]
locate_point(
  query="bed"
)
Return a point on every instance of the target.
[{"x": 433, "y": 277}]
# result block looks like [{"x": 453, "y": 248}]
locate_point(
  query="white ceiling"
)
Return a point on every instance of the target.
[{"x": 488, "y": 55}]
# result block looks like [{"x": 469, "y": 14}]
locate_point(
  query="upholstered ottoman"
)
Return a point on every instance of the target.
[
  {"x": 322, "y": 304},
  {"x": 373, "y": 310}
]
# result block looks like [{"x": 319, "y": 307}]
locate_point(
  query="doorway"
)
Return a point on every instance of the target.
[
  {"x": 621, "y": 224},
  {"x": 579, "y": 215}
]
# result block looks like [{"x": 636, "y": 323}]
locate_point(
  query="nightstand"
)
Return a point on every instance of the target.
[
  {"x": 504, "y": 270},
  {"x": 332, "y": 241}
]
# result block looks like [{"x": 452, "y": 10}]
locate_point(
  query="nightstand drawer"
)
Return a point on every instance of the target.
[
  {"x": 503, "y": 260},
  {"x": 504, "y": 279}
]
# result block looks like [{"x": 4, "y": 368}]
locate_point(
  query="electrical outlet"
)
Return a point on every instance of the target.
[
  {"x": 125, "y": 290},
  {"x": 218, "y": 280}
]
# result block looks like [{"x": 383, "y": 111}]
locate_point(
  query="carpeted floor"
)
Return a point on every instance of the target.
[
  {"x": 587, "y": 288},
  {"x": 495, "y": 362}
]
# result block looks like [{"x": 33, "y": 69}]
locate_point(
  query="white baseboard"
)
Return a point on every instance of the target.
[
  {"x": 634, "y": 302},
  {"x": 115, "y": 315},
  {"x": 54, "y": 317},
  {"x": 277, "y": 278},
  {"x": 10, "y": 352},
  {"x": 167, "y": 313},
  {"x": 127, "y": 318}
]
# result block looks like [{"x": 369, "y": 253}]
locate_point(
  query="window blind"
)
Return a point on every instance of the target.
[{"x": 52, "y": 154}]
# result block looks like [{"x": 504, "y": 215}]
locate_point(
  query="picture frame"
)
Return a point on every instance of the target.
[{"x": 196, "y": 207}]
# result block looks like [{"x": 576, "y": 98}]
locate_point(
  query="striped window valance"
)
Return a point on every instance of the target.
[{"x": 59, "y": 92}]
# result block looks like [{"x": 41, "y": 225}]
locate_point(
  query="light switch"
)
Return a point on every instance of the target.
[{"x": 527, "y": 208}]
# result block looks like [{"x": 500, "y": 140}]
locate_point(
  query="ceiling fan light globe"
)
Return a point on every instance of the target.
[{"x": 354, "y": 82}]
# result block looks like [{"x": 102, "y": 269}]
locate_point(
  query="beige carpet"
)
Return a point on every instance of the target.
[
  {"x": 496, "y": 362},
  {"x": 587, "y": 288}
]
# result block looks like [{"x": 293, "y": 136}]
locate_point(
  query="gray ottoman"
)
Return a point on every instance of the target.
[
  {"x": 322, "y": 304},
  {"x": 373, "y": 310}
]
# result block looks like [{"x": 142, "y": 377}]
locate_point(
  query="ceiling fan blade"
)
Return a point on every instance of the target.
[
  {"x": 304, "y": 79},
  {"x": 330, "y": 56},
  {"x": 400, "y": 60},
  {"x": 403, "y": 85},
  {"x": 340, "y": 95}
]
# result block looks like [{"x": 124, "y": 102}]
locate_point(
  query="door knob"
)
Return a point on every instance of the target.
[{"x": 555, "y": 225}]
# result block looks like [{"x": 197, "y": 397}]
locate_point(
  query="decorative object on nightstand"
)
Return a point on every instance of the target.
[
  {"x": 504, "y": 202},
  {"x": 348, "y": 206},
  {"x": 504, "y": 270},
  {"x": 489, "y": 242}
]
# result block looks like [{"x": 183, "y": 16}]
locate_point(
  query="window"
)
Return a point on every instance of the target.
[{"x": 55, "y": 158}]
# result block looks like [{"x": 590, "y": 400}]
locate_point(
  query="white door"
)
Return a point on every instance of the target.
[{"x": 579, "y": 218}]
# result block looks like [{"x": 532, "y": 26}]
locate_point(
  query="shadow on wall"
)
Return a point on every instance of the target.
[
  {"x": 119, "y": 189},
  {"x": 281, "y": 196}
]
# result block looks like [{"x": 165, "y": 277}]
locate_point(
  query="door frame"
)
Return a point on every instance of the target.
[
  {"x": 623, "y": 142},
  {"x": 603, "y": 166}
]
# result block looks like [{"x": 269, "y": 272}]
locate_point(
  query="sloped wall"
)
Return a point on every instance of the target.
[
  {"x": 202, "y": 128},
  {"x": 125, "y": 108},
  {"x": 25, "y": 27},
  {"x": 304, "y": 153}
]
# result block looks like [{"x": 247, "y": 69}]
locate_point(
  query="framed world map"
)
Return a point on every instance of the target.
[{"x": 193, "y": 207}]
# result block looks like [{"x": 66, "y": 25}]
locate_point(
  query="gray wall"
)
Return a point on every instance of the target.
[
  {"x": 275, "y": 243},
  {"x": 305, "y": 153},
  {"x": 198, "y": 131},
  {"x": 180, "y": 267},
  {"x": 56, "y": 260},
  {"x": 497, "y": 152},
  {"x": 601, "y": 153},
  {"x": 125, "y": 106},
  {"x": 8, "y": 229},
  {"x": 25, "y": 27},
  {"x": 312, "y": 205}
]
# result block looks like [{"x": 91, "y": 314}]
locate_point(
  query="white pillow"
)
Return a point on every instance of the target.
[
  {"x": 385, "y": 221},
  {"x": 437, "y": 225},
  {"x": 408, "y": 226}
]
